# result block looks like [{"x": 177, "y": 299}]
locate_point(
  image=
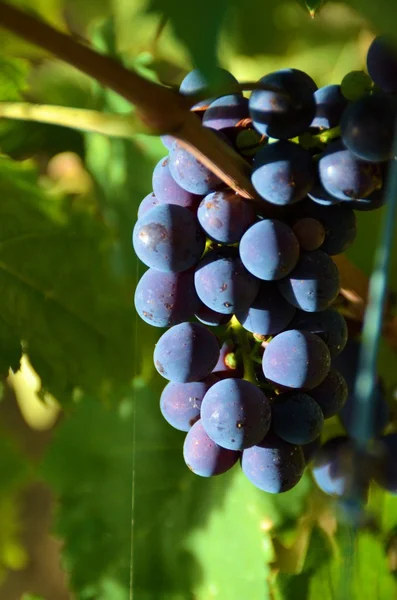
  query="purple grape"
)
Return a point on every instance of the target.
[
  {"x": 226, "y": 112},
  {"x": 180, "y": 402},
  {"x": 209, "y": 317},
  {"x": 339, "y": 223},
  {"x": 164, "y": 299},
  {"x": 331, "y": 394},
  {"x": 333, "y": 466},
  {"x": 203, "y": 456},
  {"x": 386, "y": 473},
  {"x": 382, "y": 64},
  {"x": 328, "y": 324},
  {"x": 149, "y": 202},
  {"x": 186, "y": 352},
  {"x": 168, "y": 238},
  {"x": 283, "y": 173},
  {"x": 273, "y": 466},
  {"x": 296, "y": 359},
  {"x": 223, "y": 283},
  {"x": 195, "y": 82},
  {"x": 309, "y": 450},
  {"x": 235, "y": 414},
  {"x": 310, "y": 233},
  {"x": 225, "y": 216},
  {"x": 314, "y": 283},
  {"x": 296, "y": 418},
  {"x": 330, "y": 104},
  {"x": 269, "y": 249},
  {"x": 288, "y": 110},
  {"x": 269, "y": 313},
  {"x": 190, "y": 173},
  {"x": 228, "y": 364},
  {"x": 168, "y": 191}
]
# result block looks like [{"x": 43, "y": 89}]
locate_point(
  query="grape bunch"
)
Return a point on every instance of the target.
[{"x": 246, "y": 289}]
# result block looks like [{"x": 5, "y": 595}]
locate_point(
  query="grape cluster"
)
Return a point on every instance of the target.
[{"x": 247, "y": 289}]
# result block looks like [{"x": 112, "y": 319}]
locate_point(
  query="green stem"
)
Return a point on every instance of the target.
[
  {"x": 244, "y": 346},
  {"x": 124, "y": 126},
  {"x": 328, "y": 135}
]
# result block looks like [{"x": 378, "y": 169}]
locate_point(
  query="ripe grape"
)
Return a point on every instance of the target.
[
  {"x": 186, "y": 352},
  {"x": 226, "y": 112},
  {"x": 382, "y": 64},
  {"x": 149, "y": 202},
  {"x": 296, "y": 359},
  {"x": 225, "y": 216},
  {"x": 168, "y": 191},
  {"x": 164, "y": 299},
  {"x": 269, "y": 313},
  {"x": 195, "y": 82},
  {"x": 283, "y": 172},
  {"x": 314, "y": 283},
  {"x": 296, "y": 418},
  {"x": 328, "y": 324},
  {"x": 330, "y": 104},
  {"x": 288, "y": 110},
  {"x": 333, "y": 466},
  {"x": 269, "y": 249},
  {"x": 168, "y": 238},
  {"x": 273, "y": 465},
  {"x": 367, "y": 127},
  {"x": 223, "y": 283},
  {"x": 180, "y": 402},
  {"x": 331, "y": 394},
  {"x": 310, "y": 233},
  {"x": 339, "y": 223},
  {"x": 235, "y": 414},
  {"x": 190, "y": 173},
  {"x": 386, "y": 473},
  {"x": 209, "y": 317},
  {"x": 345, "y": 176},
  {"x": 203, "y": 456},
  {"x": 229, "y": 363},
  {"x": 320, "y": 196}
]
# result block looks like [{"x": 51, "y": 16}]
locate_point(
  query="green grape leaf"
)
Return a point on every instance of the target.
[
  {"x": 13, "y": 74},
  {"x": 59, "y": 292}
]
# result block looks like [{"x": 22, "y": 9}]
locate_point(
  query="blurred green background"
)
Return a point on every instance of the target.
[{"x": 96, "y": 502}]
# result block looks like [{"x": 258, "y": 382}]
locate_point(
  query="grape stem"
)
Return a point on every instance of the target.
[
  {"x": 327, "y": 135},
  {"x": 245, "y": 349}
]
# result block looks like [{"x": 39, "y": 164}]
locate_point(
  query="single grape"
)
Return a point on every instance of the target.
[
  {"x": 195, "y": 82},
  {"x": 328, "y": 324},
  {"x": 164, "y": 299},
  {"x": 331, "y": 394},
  {"x": 309, "y": 450},
  {"x": 229, "y": 363},
  {"x": 367, "y": 127},
  {"x": 209, "y": 317},
  {"x": 235, "y": 414},
  {"x": 167, "y": 140},
  {"x": 190, "y": 173},
  {"x": 168, "y": 191},
  {"x": 203, "y": 456},
  {"x": 225, "y": 216},
  {"x": 382, "y": 64},
  {"x": 149, "y": 202},
  {"x": 283, "y": 172},
  {"x": 248, "y": 142},
  {"x": 339, "y": 223},
  {"x": 269, "y": 313},
  {"x": 180, "y": 402},
  {"x": 296, "y": 359},
  {"x": 334, "y": 465},
  {"x": 296, "y": 418},
  {"x": 288, "y": 110},
  {"x": 386, "y": 472},
  {"x": 345, "y": 176},
  {"x": 314, "y": 283},
  {"x": 269, "y": 249},
  {"x": 168, "y": 238},
  {"x": 330, "y": 104},
  {"x": 273, "y": 465},
  {"x": 355, "y": 85},
  {"x": 186, "y": 352},
  {"x": 320, "y": 196},
  {"x": 310, "y": 233},
  {"x": 223, "y": 283},
  {"x": 226, "y": 112}
]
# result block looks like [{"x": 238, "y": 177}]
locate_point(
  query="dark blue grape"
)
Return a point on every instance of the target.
[
  {"x": 223, "y": 283},
  {"x": 164, "y": 299},
  {"x": 328, "y": 324},
  {"x": 195, "y": 82},
  {"x": 296, "y": 359},
  {"x": 334, "y": 466},
  {"x": 180, "y": 402},
  {"x": 288, "y": 110},
  {"x": 229, "y": 363},
  {"x": 330, "y": 104},
  {"x": 314, "y": 283},
  {"x": 269, "y": 313},
  {"x": 367, "y": 127},
  {"x": 225, "y": 216},
  {"x": 310, "y": 233},
  {"x": 296, "y": 418},
  {"x": 209, "y": 317},
  {"x": 190, "y": 173},
  {"x": 168, "y": 238},
  {"x": 309, "y": 450},
  {"x": 320, "y": 196},
  {"x": 235, "y": 414},
  {"x": 226, "y": 112},
  {"x": 168, "y": 191},
  {"x": 186, "y": 352},
  {"x": 203, "y": 456},
  {"x": 331, "y": 394},
  {"x": 269, "y": 249},
  {"x": 283, "y": 172},
  {"x": 339, "y": 223},
  {"x": 345, "y": 176},
  {"x": 273, "y": 466},
  {"x": 386, "y": 473},
  {"x": 382, "y": 64},
  {"x": 149, "y": 202}
]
